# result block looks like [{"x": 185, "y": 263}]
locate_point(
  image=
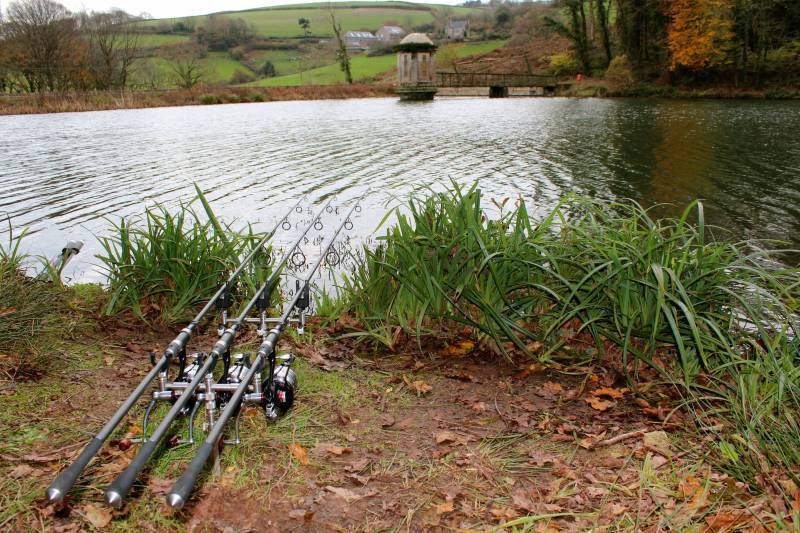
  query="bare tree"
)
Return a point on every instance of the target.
[
  {"x": 187, "y": 67},
  {"x": 114, "y": 46},
  {"x": 341, "y": 50},
  {"x": 44, "y": 34}
]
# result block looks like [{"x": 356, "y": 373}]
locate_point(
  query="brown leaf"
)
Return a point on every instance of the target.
[
  {"x": 522, "y": 501},
  {"x": 159, "y": 486},
  {"x": 8, "y": 311},
  {"x": 550, "y": 390},
  {"x": 348, "y": 495},
  {"x": 420, "y": 387},
  {"x": 442, "y": 508},
  {"x": 387, "y": 421},
  {"x": 478, "y": 407},
  {"x": 299, "y": 453},
  {"x": 725, "y": 521},
  {"x": 445, "y": 436},
  {"x": 504, "y": 513},
  {"x": 599, "y": 404},
  {"x": 357, "y": 466},
  {"x": 327, "y": 447},
  {"x": 301, "y": 514},
  {"x": 99, "y": 518},
  {"x": 21, "y": 471},
  {"x": 614, "y": 394}
]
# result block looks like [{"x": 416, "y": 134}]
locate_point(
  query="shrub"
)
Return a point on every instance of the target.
[
  {"x": 232, "y": 98},
  {"x": 257, "y": 97},
  {"x": 209, "y": 99},
  {"x": 619, "y": 74},
  {"x": 563, "y": 64},
  {"x": 163, "y": 267},
  {"x": 240, "y": 77}
]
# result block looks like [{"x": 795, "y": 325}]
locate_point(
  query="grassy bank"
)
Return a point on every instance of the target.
[
  {"x": 101, "y": 101},
  {"x": 593, "y": 88},
  {"x": 646, "y": 365}
]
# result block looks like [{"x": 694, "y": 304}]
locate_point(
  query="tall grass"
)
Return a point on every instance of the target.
[
  {"x": 715, "y": 319},
  {"x": 162, "y": 267}
]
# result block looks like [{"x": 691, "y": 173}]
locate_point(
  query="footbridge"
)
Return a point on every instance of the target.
[{"x": 495, "y": 85}]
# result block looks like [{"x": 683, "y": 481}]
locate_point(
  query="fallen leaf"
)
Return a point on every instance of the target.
[
  {"x": 658, "y": 441},
  {"x": 301, "y": 514},
  {"x": 357, "y": 466},
  {"x": 387, "y": 421},
  {"x": 8, "y": 311},
  {"x": 725, "y": 521},
  {"x": 327, "y": 447},
  {"x": 420, "y": 387},
  {"x": 599, "y": 404},
  {"x": 348, "y": 495},
  {"x": 21, "y": 471},
  {"x": 522, "y": 501},
  {"x": 299, "y": 453},
  {"x": 458, "y": 350},
  {"x": 550, "y": 390},
  {"x": 614, "y": 394},
  {"x": 445, "y": 436},
  {"x": 108, "y": 360},
  {"x": 159, "y": 486},
  {"x": 504, "y": 513},
  {"x": 478, "y": 407},
  {"x": 99, "y": 518},
  {"x": 446, "y": 507}
]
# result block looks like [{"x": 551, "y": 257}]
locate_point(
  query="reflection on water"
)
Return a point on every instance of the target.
[{"x": 64, "y": 175}]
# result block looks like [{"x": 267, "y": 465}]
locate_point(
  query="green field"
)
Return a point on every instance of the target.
[
  {"x": 281, "y": 21},
  {"x": 155, "y": 40},
  {"x": 291, "y": 61},
  {"x": 218, "y": 68},
  {"x": 361, "y": 67}
]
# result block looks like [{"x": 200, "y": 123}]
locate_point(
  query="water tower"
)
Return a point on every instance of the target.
[{"x": 416, "y": 70}]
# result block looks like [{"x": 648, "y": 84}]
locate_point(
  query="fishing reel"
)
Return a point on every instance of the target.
[{"x": 284, "y": 384}]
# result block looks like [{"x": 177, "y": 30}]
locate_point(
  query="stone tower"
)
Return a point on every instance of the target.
[{"x": 416, "y": 70}]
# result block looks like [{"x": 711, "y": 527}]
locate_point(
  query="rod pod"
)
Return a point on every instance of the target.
[
  {"x": 66, "y": 479},
  {"x": 183, "y": 486}
]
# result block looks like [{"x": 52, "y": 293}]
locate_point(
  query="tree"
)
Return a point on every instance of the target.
[
  {"x": 305, "y": 24},
  {"x": 341, "y": 50},
  {"x": 699, "y": 34},
  {"x": 641, "y": 28},
  {"x": 602, "y": 22},
  {"x": 575, "y": 32},
  {"x": 268, "y": 70},
  {"x": 43, "y": 36},
  {"x": 113, "y": 47},
  {"x": 187, "y": 67}
]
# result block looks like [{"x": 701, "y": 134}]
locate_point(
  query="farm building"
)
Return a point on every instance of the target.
[
  {"x": 457, "y": 30},
  {"x": 390, "y": 33},
  {"x": 359, "y": 40}
]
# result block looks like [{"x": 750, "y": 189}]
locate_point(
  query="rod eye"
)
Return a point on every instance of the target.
[
  {"x": 286, "y": 225},
  {"x": 332, "y": 258},
  {"x": 348, "y": 224},
  {"x": 318, "y": 225},
  {"x": 298, "y": 259}
]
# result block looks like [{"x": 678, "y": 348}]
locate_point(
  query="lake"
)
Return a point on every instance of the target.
[{"x": 68, "y": 175}]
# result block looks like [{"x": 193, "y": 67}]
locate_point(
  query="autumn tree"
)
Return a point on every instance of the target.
[
  {"x": 42, "y": 36},
  {"x": 699, "y": 35}
]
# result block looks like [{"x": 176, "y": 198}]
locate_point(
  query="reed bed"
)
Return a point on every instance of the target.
[
  {"x": 166, "y": 265},
  {"x": 715, "y": 320}
]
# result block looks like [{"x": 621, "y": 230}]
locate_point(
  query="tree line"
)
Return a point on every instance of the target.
[
  {"x": 45, "y": 47},
  {"x": 684, "y": 40}
]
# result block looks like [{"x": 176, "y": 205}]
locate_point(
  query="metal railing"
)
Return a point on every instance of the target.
[{"x": 478, "y": 79}]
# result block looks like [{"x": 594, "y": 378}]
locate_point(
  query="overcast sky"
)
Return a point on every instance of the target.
[{"x": 177, "y": 8}]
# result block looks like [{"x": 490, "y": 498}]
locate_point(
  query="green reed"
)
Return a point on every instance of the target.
[
  {"x": 162, "y": 267},
  {"x": 663, "y": 292}
]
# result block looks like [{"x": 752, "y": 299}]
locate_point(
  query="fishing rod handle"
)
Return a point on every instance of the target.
[
  {"x": 64, "y": 482},
  {"x": 67, "y": 478},
  {"x": 119, "y": 488}
]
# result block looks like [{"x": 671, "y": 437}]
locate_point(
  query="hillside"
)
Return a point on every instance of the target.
[{"x": 268, "y": 47}]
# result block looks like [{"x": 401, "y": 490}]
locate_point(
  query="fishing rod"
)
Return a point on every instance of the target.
[
  {"x": 176, "y": 348},
  {"x": 203, "y": 369},
  {"x": 275, "y": 397}
]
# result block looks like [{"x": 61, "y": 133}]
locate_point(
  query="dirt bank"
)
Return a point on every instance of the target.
[{"x": 106, "y": 100}]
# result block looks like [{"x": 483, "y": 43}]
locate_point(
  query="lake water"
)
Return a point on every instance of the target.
[{"x": 66, "y": 175}]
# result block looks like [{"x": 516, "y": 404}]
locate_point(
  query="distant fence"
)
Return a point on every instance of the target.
[{"x": 476, "y": 79}]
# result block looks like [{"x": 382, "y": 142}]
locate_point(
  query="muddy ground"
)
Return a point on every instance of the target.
[{"x": 445, "y": 440}]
